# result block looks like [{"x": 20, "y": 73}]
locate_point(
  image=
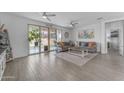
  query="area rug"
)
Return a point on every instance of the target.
[{"x": 76, "y": 59}]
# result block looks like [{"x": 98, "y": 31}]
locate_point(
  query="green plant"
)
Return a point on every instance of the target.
[{"x": 34, "y": 35}]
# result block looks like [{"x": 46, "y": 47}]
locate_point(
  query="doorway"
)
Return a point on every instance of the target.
[
  {"x": 113, "y": 30},
  {"x": 113, "y": 42}
]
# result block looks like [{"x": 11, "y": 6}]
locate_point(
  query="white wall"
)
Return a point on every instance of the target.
[
  {"x": 18, "y": 32},
  {"x": 97, "y": 32}
]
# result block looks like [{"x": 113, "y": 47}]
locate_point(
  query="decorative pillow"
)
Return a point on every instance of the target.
[
  {"x": 91, "y": 44},
  {"x": 62, "y": 44},
  {"x": 85, "y": 44},
  {"x": 66, "y": 43}
]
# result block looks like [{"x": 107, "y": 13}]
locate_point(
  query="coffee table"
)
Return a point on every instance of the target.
[{"x": 78, "y": 51}]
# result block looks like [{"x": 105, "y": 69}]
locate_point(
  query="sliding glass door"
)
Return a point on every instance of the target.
[
  {"x": 59, "y": 35},
  {"x": 42, "y": 39},
  {"x": 53, "y": 39},
  {"x": 34, "y": 37}
]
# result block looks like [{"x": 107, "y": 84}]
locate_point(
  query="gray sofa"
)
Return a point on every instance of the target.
[
  {"x": 90, "y": 46},
  {"x": 63, "y": 46}
]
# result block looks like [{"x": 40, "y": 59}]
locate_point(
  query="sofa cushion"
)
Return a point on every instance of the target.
[
  {"x": 91, "y": 44},
  {"x": 61, "y": 44},
  {"x": 66, "y": 43},
  {"x": 83, "y": 44}
]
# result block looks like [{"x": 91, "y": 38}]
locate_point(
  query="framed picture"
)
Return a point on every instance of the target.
[{"x": 86, "y": 34}]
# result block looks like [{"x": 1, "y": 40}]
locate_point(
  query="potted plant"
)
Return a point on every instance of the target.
[{"x": 34, "y": 36}]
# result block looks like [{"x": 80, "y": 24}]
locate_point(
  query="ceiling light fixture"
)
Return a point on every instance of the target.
[
  {"x": 44, "y": 17},
  {"x": 47, "y": 16}
]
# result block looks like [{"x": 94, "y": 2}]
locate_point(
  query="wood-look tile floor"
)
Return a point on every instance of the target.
[{"x": 46, "y": 67}]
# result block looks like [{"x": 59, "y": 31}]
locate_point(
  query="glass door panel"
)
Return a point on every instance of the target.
[
  {"x": 44, "y": 39},
  {"x": 33, "y": 37},
  {"x": 53, "y": 39},
  {"x": 59, "y": 35}
]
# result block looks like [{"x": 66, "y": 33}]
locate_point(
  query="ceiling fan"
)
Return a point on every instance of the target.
[
  {"x": 73, "y": 23},
  {"x": 46, "y": 16}
]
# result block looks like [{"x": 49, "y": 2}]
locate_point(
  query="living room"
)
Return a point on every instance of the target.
[
  {"x": 65, "y": 46},
  {"x": 62, "y": 43}
]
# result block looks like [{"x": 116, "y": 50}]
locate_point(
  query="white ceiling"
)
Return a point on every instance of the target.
[{"x": 64, "y": 18}]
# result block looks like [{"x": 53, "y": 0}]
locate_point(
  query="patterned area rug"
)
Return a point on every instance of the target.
[{"x": 76, "y": 59}]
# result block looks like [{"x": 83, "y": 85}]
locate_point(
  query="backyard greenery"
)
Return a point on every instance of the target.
[{"x": 34, "y": 35}]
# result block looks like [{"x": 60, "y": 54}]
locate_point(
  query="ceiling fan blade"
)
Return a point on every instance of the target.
[
  {"x": 75, "y": 23},
  {"x": 51, "y": 15},
  {"x": 48, "y": 19},
  {"x": 44, "y": 14}
]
